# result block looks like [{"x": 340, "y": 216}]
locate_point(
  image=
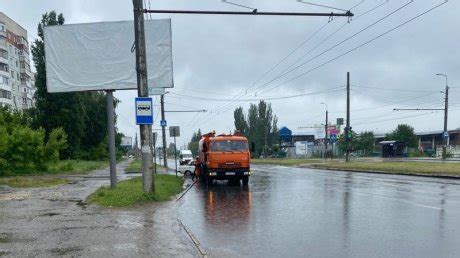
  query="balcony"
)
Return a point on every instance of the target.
[
  {"x": 23, "y": 58},
  {"x": 25, "y": 72},
  {"x": 3, "y": 44}
]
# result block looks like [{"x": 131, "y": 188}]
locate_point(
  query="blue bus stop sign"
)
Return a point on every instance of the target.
[{"x": 144, "y": 111}]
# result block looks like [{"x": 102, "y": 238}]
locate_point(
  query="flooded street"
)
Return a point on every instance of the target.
[
  {"x": 56, "y": 221},
  {"x": 298, "y": 212},
  {"x": 284, "y": 212}
]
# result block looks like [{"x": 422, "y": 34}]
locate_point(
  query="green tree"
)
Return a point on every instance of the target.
[
  {"x": 261, "y": 127},
  {"x": 365, "y": 142},
  {"x": 240, "y": 121},
  {"x": 82, "y": 115},
  {"x": 193, "y": 144},
  {"x": 58, "y": 109},
  {"x": 404, "y": 133}
]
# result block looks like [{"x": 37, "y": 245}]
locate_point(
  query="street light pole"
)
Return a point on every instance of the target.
[{"x": 446, "y": 109}]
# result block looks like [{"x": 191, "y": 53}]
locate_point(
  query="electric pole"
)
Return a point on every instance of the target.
[
  {"x": 445, "y": 133},
  {"x": 142, "y": 91},
  {"x": 163, "y": 131},
  {"x": 325, "y": 130},
  {"x": 347, "y": 128}
]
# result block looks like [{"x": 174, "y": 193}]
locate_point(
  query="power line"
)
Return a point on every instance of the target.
[
  {"x": 264, "y": 98},
  {"x": 336, "y": 45},
  {"x": 361, "y": 45}
]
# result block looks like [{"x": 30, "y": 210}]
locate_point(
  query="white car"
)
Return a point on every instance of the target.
[{"x": 186, "y": 170}]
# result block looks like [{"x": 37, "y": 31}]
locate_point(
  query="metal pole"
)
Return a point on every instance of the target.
[
  {"x": 446, "y": 109},
  {"x": 163, "y": 131},
  {"x": 325, "y": 137},
  {"x": 152, "y": 150},
  {"x": 347, "y": 129},
  {"x": 254, "y": 12},
  {"x": 111, "y": 129},
  {"x": 155, "y": 155},
  {"x": 142, "y": 91},
  {"x": 175, "y": 152}
]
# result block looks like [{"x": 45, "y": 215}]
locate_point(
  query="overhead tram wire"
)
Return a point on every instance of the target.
[
  {"x": 361, "y": 45},
  {"x": 303, "y": 43},
  {"x": 339, "y": 89},
  {"x": 391, "y": 89},
  {"x": 244, "y": 93},
  {"x": 264, "y": 98},
  {"x": 225, "y": 108},
  {"x": 336, "y": 45},
  {"x": 319, "y": 44}
]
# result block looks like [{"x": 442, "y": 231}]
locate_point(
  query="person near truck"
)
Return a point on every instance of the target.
[{"x": 198, "y": 167}]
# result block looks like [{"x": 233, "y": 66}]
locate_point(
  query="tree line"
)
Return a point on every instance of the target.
[{"x": 260, "y": 126}]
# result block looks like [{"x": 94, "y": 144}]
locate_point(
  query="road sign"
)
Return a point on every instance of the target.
[
  {"x": 339, "y": 121},
  {"x": 174, "y": 131},
  {"x": 144, "y": 111},
  {"x": 163, "y": 123},
  {"x": 446, "y": 134},
  {"x": 333, "y": 137}
]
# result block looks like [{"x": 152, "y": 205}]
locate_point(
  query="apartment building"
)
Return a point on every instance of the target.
[{"x": 16, "y": 79}]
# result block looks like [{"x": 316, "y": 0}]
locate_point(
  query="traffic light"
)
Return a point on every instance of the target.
[{"x": 350, "y": 132}]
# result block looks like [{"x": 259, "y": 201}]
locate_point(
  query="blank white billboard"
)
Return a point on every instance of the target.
[{"x": 101, "y": 56}]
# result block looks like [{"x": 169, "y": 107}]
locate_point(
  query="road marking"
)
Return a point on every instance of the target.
[
  {"x": 194, "y": 239},
  {"x": 399, "y": 200}
]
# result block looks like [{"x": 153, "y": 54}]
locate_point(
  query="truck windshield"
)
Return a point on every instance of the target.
[{"x": 229, "y": 146}]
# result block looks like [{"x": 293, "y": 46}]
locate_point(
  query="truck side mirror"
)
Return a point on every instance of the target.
[{"x": 205, "y": 148}]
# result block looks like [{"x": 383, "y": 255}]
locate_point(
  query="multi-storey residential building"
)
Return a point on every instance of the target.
[{"x": 16, "y": 81}]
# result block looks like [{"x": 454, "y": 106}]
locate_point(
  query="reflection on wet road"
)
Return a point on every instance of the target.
[{"x": 298, "y": 212}]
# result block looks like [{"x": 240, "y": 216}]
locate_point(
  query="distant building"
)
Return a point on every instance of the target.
[{"x": 16, "y": 80}]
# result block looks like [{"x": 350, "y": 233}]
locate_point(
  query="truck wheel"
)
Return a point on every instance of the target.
[{"x": 245, "y": 180}]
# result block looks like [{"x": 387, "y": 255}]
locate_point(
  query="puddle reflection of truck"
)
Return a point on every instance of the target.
[{"x": 224, "y": 157}]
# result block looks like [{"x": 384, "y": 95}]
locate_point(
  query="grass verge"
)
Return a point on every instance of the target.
[
  {"x": 25, "y": 182},
  {"x": 410, "y": 168},
  {"x": 136, "y": 166},
  {"x": 62, "y": 167},
  {"x": 286, "y": 162},
  {"x": 129, "y": 192}
]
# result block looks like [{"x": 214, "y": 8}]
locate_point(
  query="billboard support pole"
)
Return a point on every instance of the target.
[
  {"x": 111, "y": 129},
  {"x": 142, "y": 91}
]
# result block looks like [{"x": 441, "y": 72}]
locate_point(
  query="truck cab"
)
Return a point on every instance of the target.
[{"x": 225, "y": 157}]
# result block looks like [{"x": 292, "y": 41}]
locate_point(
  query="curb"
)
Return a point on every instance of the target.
[
  {"x": 385, "y": 172},
  {"x": 194, "y": 239}
]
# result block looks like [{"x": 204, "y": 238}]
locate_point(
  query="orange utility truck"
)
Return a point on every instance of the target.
[{"x": 224, "y": 157}]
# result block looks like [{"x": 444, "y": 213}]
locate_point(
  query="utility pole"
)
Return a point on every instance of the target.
[
  {"x": 142, "y": 91},
  {"x": 163, "y": 131},
  {"x": 325, "y": 130},
  {"x": 445, "y": 133},
  {"x": 347, "y": 128},
  {"x": 446, "y": 109}
]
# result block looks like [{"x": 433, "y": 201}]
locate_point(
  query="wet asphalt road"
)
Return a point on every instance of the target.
[
  {"x": 56, "y": 221},
  {"x": 299, "y": 212}
]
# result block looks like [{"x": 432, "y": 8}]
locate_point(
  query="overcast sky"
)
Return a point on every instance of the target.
[{"x": 234, "y": 58}]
